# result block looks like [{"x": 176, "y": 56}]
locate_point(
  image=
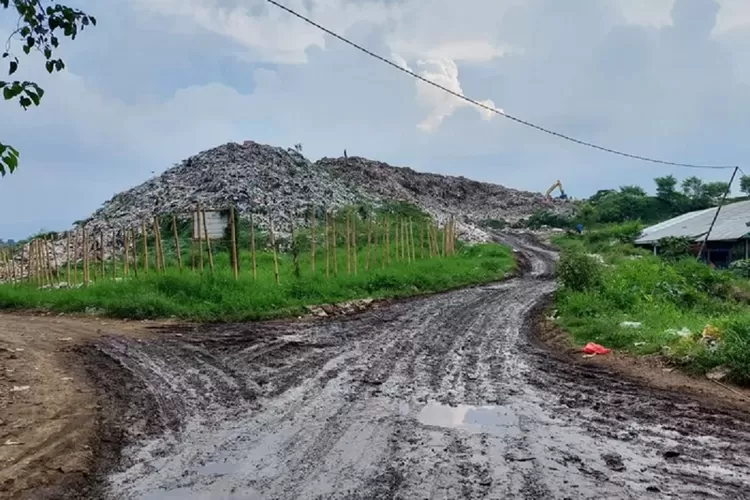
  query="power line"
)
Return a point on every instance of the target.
[{"x": 490, "y": 108}]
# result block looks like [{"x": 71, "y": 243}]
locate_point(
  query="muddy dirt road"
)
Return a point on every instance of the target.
[{"x": 442, "y": 397}]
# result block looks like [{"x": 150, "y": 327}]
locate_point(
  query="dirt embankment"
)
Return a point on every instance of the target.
[{"x": 442, "y": 397}]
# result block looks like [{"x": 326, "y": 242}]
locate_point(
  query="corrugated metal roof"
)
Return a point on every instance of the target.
[{"x": 730, "y": 225}]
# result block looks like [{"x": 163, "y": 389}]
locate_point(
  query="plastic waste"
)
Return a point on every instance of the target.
[{"x": 592, "y": 348}]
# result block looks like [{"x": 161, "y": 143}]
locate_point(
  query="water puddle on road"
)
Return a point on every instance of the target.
[{"x": 498, "y": 420}]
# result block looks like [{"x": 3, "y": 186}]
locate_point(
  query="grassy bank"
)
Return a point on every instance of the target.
[
  {"x": 194, "y": 297},
  {"x": 606, "y": 283}
]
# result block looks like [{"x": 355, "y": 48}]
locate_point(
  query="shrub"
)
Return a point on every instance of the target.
[
  {"x": 741, "y": 268},
  {"x": 579, "y": 272},
  {"x": 673, "y": 247}
]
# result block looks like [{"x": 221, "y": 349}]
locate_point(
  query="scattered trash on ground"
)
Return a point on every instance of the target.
[
  {"x": 595, "y": 349},
  {"x": 719, "y": 373},
  {"x": 684, "y": 332},
  {"x": 20, "y": 388},
  {"x": 12, "y": 442},
  {"x": 639, "y": 344},
  {"x": 631, "y": 324}
]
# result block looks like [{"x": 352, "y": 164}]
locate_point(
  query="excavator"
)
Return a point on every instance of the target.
[{"x": 556, "y": 185}]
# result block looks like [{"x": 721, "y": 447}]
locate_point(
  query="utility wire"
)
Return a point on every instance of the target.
[{"x": 490, "y": 108}]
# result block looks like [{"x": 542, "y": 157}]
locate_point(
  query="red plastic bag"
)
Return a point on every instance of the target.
[{"x": 592, "y": 348}]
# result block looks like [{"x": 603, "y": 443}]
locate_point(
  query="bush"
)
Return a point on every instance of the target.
[
  {"x": 741, "y": 268},
  {"x": 579, "y": 272},
  {"x": 539, "y": 219},
  {"x": 674, "y": 247}
]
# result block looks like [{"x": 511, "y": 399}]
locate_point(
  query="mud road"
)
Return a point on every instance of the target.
[{"x": 442, "y": 397}]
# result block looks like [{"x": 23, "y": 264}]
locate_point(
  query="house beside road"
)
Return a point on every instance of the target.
[{"x": 728, "y": 241}]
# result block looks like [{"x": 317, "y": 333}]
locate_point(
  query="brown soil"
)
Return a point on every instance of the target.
[
  {"x": 655, "y": 371},
  {"x": 47, "y": 431}
]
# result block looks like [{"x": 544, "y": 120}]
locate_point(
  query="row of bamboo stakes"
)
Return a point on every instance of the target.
[{"x": 44, "y": 269}]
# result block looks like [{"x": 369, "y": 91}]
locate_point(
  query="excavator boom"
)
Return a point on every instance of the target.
[{"x": 556, "y": 185}]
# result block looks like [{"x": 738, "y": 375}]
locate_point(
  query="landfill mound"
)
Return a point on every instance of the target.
[
  {"x": 437, "y": 194},
  {"x": 264, "y": 179},
  {"x": 253, "y": 177}
]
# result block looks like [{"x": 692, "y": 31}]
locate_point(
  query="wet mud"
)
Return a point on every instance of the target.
[{"x": 441, "y": 397}]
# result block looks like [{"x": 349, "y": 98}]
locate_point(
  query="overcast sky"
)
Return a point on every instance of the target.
[{"x": 159, "y": 80}]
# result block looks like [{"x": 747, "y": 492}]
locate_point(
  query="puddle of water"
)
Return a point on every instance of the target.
[{"x": 498, "y": 420}]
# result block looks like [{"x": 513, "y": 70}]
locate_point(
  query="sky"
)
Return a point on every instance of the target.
[{"x": 159, "y": 80}]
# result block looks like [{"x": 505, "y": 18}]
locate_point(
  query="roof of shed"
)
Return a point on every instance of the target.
[{"x": 732, "y": 224}]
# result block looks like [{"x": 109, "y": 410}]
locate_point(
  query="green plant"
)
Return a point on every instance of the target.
[
  {"x": 37, "y": 28},
  {"x": 674, "y": 247},
  {"x": 579, "y": 272},
  {"x": 741, "y": 268}
]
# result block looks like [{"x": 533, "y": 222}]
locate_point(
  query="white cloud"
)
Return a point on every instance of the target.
[{"x": 439, "y": 103}]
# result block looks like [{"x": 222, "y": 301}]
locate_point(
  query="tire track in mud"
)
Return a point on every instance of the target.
[{"x": 442, "y": 397}]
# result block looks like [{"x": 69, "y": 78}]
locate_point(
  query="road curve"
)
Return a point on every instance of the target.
[{"x": 441, "y": 397}]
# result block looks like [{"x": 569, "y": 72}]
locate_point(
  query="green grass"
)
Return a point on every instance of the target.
[
  {"x": 190, "y": 296},
  {"x": 662, "y": 295}
]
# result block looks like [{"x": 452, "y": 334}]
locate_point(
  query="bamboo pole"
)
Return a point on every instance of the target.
[
  {"x": 235, "y": 267},
  {"x": 396, "y": 241},
  {"x": 161, "y": 247},
  {"x": 48, "y": 261},
  {"x": 85, "y": 250},
  {"x": 411, "y": 239},
  {"x": 369, "y": 243},
  {"x": 252, "y": 247},
  {"x": 388, "y": 238},
  {"x": 355, "y": 249},
  {"x": 101, "y": 254},
  {"x": 67, "y": 253},
  {"x": 158, "y": 250},
  {"x": 144, "y": 233},
  {"x": 126, "y": 251},
  {"x": 273, "y": 248},
  {"x": 134, "y": 243},
  {"x": 327, "y": 239},
  {"x": 293, "y": 247},
  {"x": 421, "y": 240},
  {"x": 379, "y": 243},
  {"x": 405, "y": 253},
  {"x": 114, "y": 254},
  {"x": 54, "y": 259},
  {"x": 177, "y": 248},
  {"x": 312, "y": 240},
  {"x": 334, "y": 247},
  {"x": 208, "y": 243},
  {"x": 347, "y": 246},
  {"x": 200, "y": 234}
]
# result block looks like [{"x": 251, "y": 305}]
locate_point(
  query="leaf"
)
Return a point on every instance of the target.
[
  {"x": 13, "y": 67},
  {"x": 47, "y": 52},
  {"x": 50, "y": 65},
  {"x": 33, "y": 96},
  {"x": 25, "y": 102},
  {"x": 30, "y": 41},
  {"x": 93, "y": 20},
  {"x": 54, "y": 41},
  {"x": 26, "y": 49}
]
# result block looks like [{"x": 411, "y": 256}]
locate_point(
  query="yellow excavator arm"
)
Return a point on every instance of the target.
[{"x": 556, "y": 185}]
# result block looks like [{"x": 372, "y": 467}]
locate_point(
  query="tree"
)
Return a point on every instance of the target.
[
  {"x": 632, "y": 190},
  {"x": 666, "y": 187},
  {"x": 714, "y": 191},
  {"x": 745, "y": 184},
  {"x": 38, "y": 27},
  {"x": 694, "y": 188}
]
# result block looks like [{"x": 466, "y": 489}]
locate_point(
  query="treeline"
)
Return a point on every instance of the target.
[{"x": 632, "y": 203}]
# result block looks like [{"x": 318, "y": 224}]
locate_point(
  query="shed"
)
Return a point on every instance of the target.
[{"x": 727, "y": 242}]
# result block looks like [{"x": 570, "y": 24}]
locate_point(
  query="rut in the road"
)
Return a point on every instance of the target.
[{"x": 441, "y": 397}]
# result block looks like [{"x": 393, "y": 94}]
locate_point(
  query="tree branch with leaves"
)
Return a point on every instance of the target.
[{"x": 39, "y": 27}]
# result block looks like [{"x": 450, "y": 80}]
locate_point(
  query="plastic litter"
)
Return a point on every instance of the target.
[
  {"x": 631, "y": 324},
  {"x": 592, "y": 348}
]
